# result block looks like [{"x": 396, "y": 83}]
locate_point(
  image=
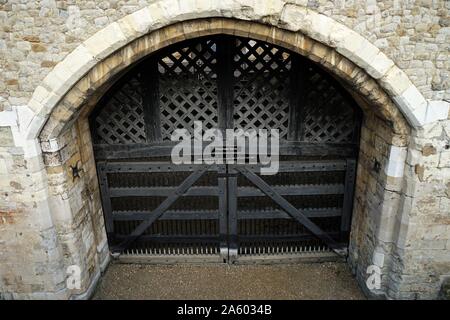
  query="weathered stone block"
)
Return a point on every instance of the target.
[
  {"x": 413, "y": 106},
  {"x": 396, "y": 163},
  {"x": 136, "y": 24},
  {"x": 6, "y": 137},
  {"x": 437, "y": 110},
  {"x": 395, "y": 81},
  {"x": 105, "y": 41}
]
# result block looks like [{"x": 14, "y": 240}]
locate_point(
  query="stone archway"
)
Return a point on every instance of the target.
[
  {"x": 279, "y": 14},
  {"x": 391, "y": 103}
]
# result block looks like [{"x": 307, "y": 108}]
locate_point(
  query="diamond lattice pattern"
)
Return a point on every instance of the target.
[
  {"x": 121, "y": 120},
  {"x": 188, "y": 90},
  {"x": 261, "y": 89},
  {"x": 328, "y": 115}
]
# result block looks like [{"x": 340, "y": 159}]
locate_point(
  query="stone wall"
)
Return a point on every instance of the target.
[
  {"x": 48, "y": 220},
  {"x": 36, "y": 35}
]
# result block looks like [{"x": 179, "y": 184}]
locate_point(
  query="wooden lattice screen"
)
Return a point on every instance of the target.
[
  {"x": 270, "y": 87},
  {"x": 261, "y": 89},
  {"x": 188, "y": 90},
  {"x": 121, "y": 120}
]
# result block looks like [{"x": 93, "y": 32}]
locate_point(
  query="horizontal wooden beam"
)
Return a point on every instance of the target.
[
  {"x": 201, "y": 238},
  {"x": 291, "y": 190},
  {"x": 164, "y": 149},
  {"x": 160, "y": 166},
  {"x": 214, "y": 214},
  {"x": 161, "y": 192}
]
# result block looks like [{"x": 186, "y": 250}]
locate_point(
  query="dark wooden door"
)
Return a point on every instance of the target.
[{"x": 156, "y": 209}]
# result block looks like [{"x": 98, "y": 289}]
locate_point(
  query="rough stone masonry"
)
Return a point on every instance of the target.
[{"x": 56, "y": 57}]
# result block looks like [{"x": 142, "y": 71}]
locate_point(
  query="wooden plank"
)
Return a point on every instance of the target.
[
  {"x": 281, "y": 237},
  {"x": 202, "y": 238},
  {"x": 126, "y": 151},
  {"x": 161, "y": 191},
  {"x": 284, "y": 166},
  {"x": 280, "y": 214},
  {"x": 173, "y": 238},
  {"x": 305, "y": 166},
  {"x": 225, "y": 91},
  {"x": 293, "y": 190},
  {"x": 222, "y": 214},
  {"x": 348, "y": 197},
  {"x": 343, "y": 150},
  {"x": 218, "y": 214},
  {"x": 298, "y": 87},
  {"x": 149, "y": 76},
  {"x": 232, "y": 216},
  {"x": 154, "y": 166},
  {"x": 168, "y": 215},
  {"x": 106, "y": 200}
]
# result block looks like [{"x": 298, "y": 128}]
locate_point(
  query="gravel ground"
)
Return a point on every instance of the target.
[{"x": 185, "y": 281}]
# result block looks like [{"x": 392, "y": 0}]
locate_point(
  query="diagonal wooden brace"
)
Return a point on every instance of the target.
[
  {"x": 158, "y": 212},
  {"x": 291, "y": 210}
]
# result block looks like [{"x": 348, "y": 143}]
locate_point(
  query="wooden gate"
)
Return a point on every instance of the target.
[{"x": 162, "y": 212}]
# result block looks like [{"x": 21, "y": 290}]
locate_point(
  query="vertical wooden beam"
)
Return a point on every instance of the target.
[
  {"x": 349, "y": 190},
  {"x": 149, "y": 76},
  {"x": 297, "y": 97},
  {"x": 225, "y": 46},
  {"x": 225, "y": 80},
  {"x": 223, "y": 222},
  {"x": 232, "y": 215},
  {"x": 106, "y": 200}
]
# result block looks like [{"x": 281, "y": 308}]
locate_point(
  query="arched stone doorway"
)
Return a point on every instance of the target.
[
  {"x": 230, "y": 213},
  {"x": 383, "y": 130}
]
